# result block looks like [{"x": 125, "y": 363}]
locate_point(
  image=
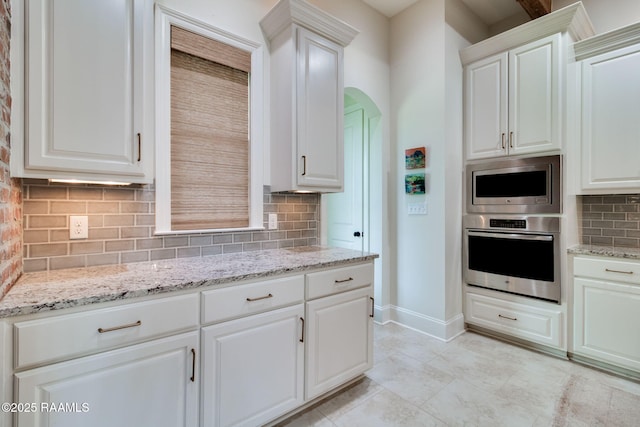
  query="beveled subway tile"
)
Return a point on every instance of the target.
[
  {"x": 134, "y": 207},
  {"x": 119, "y": 245},
  {"x": 78, "y": 248},
  {"x": 46, "y": 192},
  {"x": 35, "y": 264},
  {"x": 119, "y": 220},
  {"x": 33, "y": 207},
  {"x": 119, "y": 194},
  {"x": 57, "y": 207},
  {"x": 85, "y": 193},
  {"x": 47, "y": 221},
  {"x": 103, "y": 207},
  {"x": 75, "y": 261},
  {"x": 158, "y": 254},
  {"x": 136, "y": 256},
  {"x": 48, "y": 250},
  {"x": 103, "y": 259},
  {"x": 35, "y": 236},
  {"x": 103, "y": 233}
]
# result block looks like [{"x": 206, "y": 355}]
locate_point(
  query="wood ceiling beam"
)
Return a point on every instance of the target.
[{"x": 536, "y": 8}]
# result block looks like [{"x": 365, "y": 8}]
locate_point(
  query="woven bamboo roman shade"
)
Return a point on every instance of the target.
[{"x": 209, "y": 133}]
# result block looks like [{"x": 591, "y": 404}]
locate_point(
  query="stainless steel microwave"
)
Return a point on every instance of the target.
[{"x": 529, "y": 185}]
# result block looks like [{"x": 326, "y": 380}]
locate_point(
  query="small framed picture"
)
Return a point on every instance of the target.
[
  {"x": 414, "y": 183},
  {"x": 415, "y": 158}
]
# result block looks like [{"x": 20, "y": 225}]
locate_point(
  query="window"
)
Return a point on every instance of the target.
[{"x": 208, "y": 173}]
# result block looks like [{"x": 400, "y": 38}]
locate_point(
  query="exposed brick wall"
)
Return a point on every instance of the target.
[
  {"x": 10, "y": 189},
  {"x": 121, "y": 227}
]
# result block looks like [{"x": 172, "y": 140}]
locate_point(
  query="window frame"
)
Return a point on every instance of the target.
[{"x": 165, "y": 19}]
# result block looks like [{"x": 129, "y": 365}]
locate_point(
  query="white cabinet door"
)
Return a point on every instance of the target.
[
  {"x": 512, "y": 101},
  {"x": 320, "y": 111},
  {"x": 150, "y": 384},
  {"x": 535, "y": 110},
  {"x": 606, "y": 319},
  {"x": 253, "y": 368},
  {"x": 610, "y": 121},
  {"x": 339, "y": 339},
  {"x": 89, "y": 68},
  {"x": 486, "y": 111}
]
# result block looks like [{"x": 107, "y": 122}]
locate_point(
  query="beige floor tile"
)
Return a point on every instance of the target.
[{"x": 474, "y": 380}]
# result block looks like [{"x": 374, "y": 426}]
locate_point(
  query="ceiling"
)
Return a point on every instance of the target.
[{"x": 490, "y": 11}]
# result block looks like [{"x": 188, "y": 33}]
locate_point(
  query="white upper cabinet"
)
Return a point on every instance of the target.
[
  {"x": 307, "y": 96},
  {"x": 514, "y": 83},
  {"x": 610, "y": 99},
  {"x": 513, "y": 101},
  {"x": 84, "y": 82}
]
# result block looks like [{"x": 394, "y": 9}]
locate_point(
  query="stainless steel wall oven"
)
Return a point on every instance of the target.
[{"x": 519, "y": 255}]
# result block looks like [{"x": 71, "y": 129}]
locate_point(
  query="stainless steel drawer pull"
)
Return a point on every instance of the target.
[
  {"x": 344, "y": 280},
  {"x": 373, "y": 303},
  {"x": 302, "y": 336},
  {"x": 507, "y": 317},
  {"x": 193, "y": 365},
  {"x": 116, "y": 328},
  {"x": 618, "y": 271},
  {"x": 259, "y": 298}
]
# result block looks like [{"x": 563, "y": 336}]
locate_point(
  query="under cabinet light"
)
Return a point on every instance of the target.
[{"x": 81, "y": 181}]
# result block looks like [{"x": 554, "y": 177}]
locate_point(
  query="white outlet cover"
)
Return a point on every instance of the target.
[{"x": 78, "y": 227}]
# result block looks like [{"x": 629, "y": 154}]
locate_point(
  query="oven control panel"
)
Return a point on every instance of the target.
[{"x": 508, "y": 223}]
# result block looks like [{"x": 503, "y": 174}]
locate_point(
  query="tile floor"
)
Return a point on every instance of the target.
[{"x": 474, "y": 381}]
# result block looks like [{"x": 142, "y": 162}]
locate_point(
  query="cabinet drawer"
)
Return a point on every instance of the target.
[
  {"x": 527, "y": 322},
  {"x": 241, "y": 300},
  {"x": 607, "y": 269},
  {"x": 62, "y": 337},
  {"x": 338, "y": 280}
]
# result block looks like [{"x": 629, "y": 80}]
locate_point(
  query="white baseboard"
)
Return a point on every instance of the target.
[{"x": 442, "y": 330}]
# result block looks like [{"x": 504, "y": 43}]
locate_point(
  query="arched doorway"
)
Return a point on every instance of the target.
[{"x": 354, "y": 219}]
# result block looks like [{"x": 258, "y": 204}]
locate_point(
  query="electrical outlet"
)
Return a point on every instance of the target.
[
  {"x": 273, "y": 221},
  {"x": 78, "y": 227}
]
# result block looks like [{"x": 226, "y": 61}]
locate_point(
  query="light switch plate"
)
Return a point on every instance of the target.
[
  {"x": 417, "y": 208},
  {"x": 273, "y": 221},
  {"x": 78, "y": 227}
]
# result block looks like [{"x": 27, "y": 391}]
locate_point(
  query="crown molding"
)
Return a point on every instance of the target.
[
  {"x": 299, "y": 12},
  {"x": 612, "y": 40},
  {"x": 572, "y": 19}
]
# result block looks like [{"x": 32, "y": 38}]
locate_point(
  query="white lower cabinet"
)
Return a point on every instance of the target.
[
  {"x": 339, "y": 339},
  {"x": 227, "y": 356},
  {"x": 526, "y": 321},
  {"x": 253, "y": 368},
  {"x": 607, "y": 311},
  {"x": 149, "y": 384}
]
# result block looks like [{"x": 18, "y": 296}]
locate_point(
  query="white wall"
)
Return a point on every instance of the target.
[
  {"x": 426, "y": 295},
  {"x": 607, "y": 15}
]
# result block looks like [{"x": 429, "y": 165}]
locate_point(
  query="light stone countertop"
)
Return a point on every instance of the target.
[
  {"x": 609, "y": 251},
  {"x": 59, "y": 289}
]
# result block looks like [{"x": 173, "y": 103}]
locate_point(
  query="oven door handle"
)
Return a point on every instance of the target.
[{"x": 537, "y": 237}]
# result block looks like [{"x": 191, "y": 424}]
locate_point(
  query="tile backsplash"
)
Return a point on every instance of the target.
[
  {"x": 121, "y": 227},
  {"x": 611, "y": 220}
]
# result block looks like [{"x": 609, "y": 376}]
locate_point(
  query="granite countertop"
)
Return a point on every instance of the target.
[
  {"x": 610, "y": 251},
  {"x": 54, "y": 290}
]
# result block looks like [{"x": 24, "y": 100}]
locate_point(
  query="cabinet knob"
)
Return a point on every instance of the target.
[{"x": 357, "y": 234}]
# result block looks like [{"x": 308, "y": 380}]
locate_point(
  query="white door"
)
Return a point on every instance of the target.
[
  {"x": 534, "y": 97},
  {"x": 253, "y": 368},
  {"x": 339, "y": 339},
  {"x": 319, "y": 134},
  {"x": 486, "y": 111},
  {"x": 75, "y": 124},
  {"x": 610, "y": 125},
  {"x": 150, "y": 384},
  {"x": 346, "y": 210}
]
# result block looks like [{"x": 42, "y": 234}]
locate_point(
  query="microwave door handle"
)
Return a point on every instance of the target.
[{"x": 511, "y": 236}]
